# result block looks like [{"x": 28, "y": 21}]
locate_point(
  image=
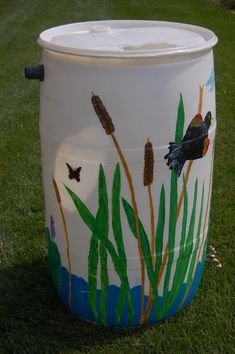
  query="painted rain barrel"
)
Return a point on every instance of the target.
[{"x": 127, "y": 124}]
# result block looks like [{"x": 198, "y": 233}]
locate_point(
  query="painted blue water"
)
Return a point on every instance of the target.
[{"x": 80, "y": 302}]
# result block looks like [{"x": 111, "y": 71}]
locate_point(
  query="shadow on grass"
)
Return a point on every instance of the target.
[{"x": 33, "y": 320}]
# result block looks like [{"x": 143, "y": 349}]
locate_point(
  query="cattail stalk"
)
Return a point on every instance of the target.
[
  {"x": 108, "y": 126},
  {"x": 58, "y": 198},
  {"x": 201, "y": 88},
  {"x": 148, "y": 180}
]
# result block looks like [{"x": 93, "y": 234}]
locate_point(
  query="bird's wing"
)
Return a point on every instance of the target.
[
  {"x": 196, "y": 121},
  {"x": 194, "y": 128}
]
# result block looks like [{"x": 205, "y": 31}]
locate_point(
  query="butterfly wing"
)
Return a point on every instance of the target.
[
  {"x": 71, "y": 171},
  {"x": 76, "y": 173}
]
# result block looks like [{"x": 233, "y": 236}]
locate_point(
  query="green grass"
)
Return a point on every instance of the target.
[{"x": 32, "y": 320}]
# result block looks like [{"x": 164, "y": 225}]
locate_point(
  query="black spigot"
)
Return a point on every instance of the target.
[{"x": 34, "y": 72}]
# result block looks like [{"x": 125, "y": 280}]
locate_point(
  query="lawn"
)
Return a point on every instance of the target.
[{"x": 32, "y": 319}]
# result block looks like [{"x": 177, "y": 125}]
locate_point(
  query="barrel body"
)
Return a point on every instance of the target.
[{"x": 127, "y": 154}]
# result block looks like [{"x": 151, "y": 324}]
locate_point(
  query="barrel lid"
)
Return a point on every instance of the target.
[{"x": 127, "y": 39}]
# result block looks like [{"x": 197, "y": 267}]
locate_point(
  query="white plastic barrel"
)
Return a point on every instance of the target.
[{"x": 127, "y": 133}]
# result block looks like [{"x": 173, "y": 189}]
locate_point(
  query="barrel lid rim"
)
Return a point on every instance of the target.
[{"x": 210, "y": 39}]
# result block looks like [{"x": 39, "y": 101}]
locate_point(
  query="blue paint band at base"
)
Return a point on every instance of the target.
[{"x": 81, "y": 307}]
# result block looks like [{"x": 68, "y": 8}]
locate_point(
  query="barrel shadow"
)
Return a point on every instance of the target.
[{"x": 33, "y": 320}]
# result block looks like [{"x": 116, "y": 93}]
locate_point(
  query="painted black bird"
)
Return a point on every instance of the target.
[
  {"x": 74, "y": 173},
  {"x": 194, "y": 144}
]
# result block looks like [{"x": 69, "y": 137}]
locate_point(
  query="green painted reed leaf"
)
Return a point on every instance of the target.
[
  {"x": 102, "y": 225},
  {"x": 171, "y": 233},
  {"x": 195, "y": 252},
  {"x": 185, "y": 215},
  {"x": 144, "y": 243},
  {"x": 93, "y": 258},
  {"x": 199, "y": 274},
  {"x": 120, "y": 303},
  {"x": 91, "y": 223},
  {"x": 130, "y": 216},
  {"x": 116, "y": 217},
  {"x": 83, "y": 211},
  {"x": 189, "y": 242},
  {"x": 183, "y": 259},
  {"x": 179, "y": 132},
  {"x": 117, "y": 231},
  {"x": 183, "y": 236},
  {"x": 104, "y": 280},
  {"x": 160, "y": 232}
]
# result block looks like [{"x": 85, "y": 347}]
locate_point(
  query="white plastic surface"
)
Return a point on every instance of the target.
[
  {"x": 142, "y": 101},
  {"x": 127, "y": 38}
]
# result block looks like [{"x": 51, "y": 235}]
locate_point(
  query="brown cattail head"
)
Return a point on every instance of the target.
[
  {"x": 148, "y": 163},
  {"x": 57, "y": 193},
  {"x": 102, "y": 114}
]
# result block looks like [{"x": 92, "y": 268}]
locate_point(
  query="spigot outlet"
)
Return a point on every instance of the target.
[{"x": 34, "y": 72}]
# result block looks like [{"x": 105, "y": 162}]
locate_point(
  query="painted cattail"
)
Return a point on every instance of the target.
[
  {"x": 102, "y": 114},
  {"x": 57, "y": 193},
  {"x": 148, "y": 163}
]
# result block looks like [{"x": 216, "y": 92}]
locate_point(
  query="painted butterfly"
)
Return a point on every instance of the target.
[{"x": 74, "y": 173}]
